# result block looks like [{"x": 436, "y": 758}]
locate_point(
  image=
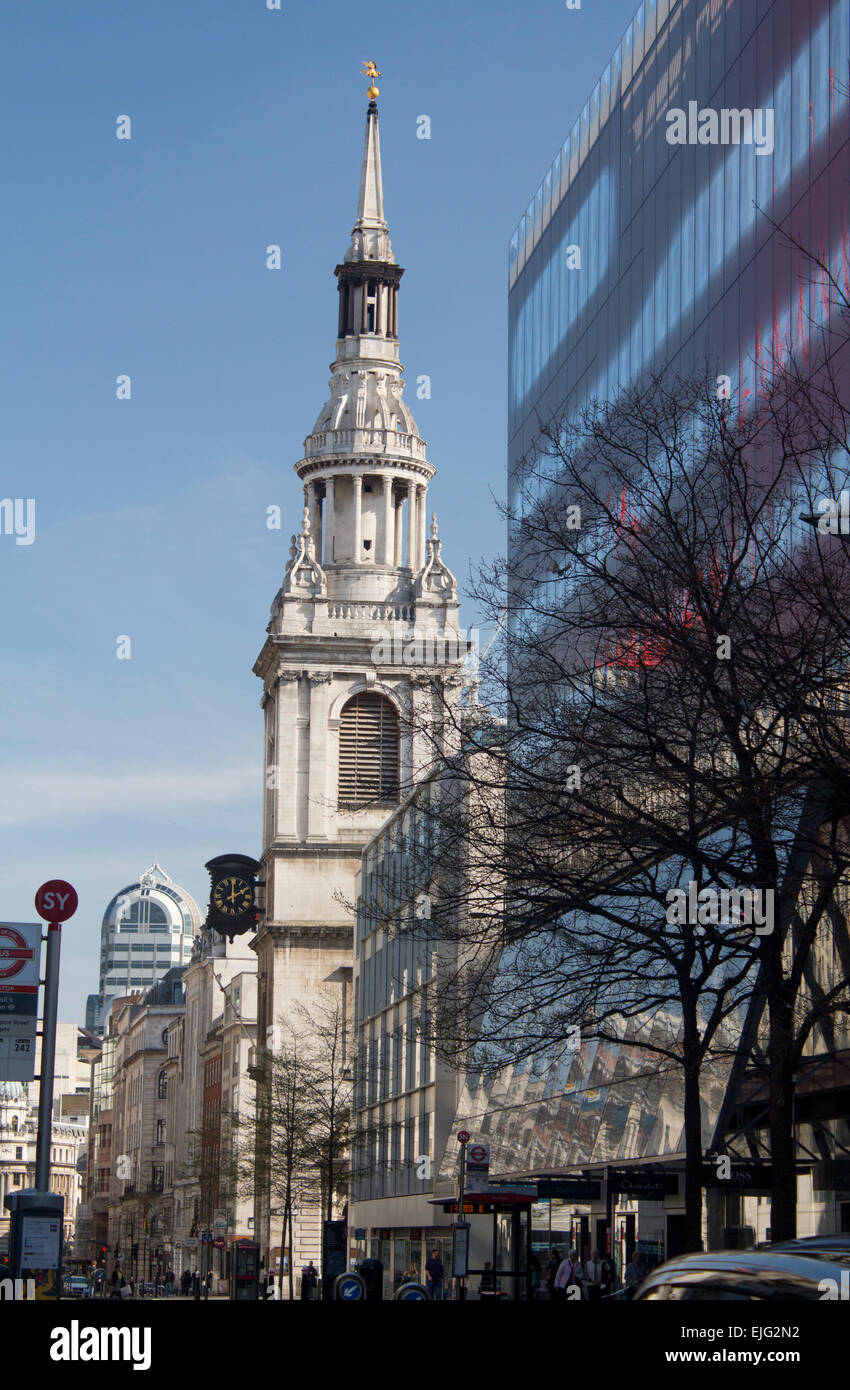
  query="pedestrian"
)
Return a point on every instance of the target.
[
  {"x": 169, "y": 1282},
  {"x": 435, "y": 1274},
  {"x": 609, "y": 1275},
  {"x": 309, "y": 1280},
  {"x": 635, "y": 1274},
  {"x": 184, "y": 1283},
  {"x": 569, "y": 1275},
  {"x": 487, "y": 1284},
  {"x": 208, "y": 1284},
  {"x": 412, "y": 1275},
  {"x": 551, "y": 1270},
  {"x": 196, "y": 1286},
  {"x": 593, "y": 1277},
  {"x": 117, "y": 1281}
]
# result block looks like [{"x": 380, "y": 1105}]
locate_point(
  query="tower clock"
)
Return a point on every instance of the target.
[{"x": 233, "y": 894}]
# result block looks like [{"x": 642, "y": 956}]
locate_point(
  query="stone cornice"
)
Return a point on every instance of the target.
[
  {"x": 304, "y": 933},
  {"x": 333, "y": 464}
]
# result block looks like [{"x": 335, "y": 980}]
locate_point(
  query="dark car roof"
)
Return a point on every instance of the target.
[
  {"x": 837, "y": 1247},
  {"x": 750, "y": 1273}
]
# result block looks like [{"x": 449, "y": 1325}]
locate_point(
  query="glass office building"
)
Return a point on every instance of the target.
[
  {"x": 148, "y": 928},
  {"x": 662, "y": 236},
  {"x": 636, "y": 252}
]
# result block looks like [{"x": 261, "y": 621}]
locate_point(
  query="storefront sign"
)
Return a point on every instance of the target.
[
  {"x": 743, "y": 1177},
  {"x": 575, "y": 1189},
  {"x": 633, "y": 1182}
]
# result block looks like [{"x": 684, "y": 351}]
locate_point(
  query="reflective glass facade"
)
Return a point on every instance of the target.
[
  {"x": 604, "y": 1103},
  {"x": 637, "y": 253}
]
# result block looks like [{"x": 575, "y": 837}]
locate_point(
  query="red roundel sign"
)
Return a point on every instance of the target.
[
  {"x": 56, "y": 900},
  {"x": 13, "y": 958},
  {"x": 463, "y": 1136}
]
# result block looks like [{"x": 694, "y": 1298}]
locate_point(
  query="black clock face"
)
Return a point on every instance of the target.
[{"x": 233, "y": 897}]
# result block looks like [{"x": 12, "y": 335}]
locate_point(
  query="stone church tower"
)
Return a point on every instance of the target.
[{"x": 364, "y": 623}]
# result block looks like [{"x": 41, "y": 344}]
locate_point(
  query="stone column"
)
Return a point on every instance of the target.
[
  {"x": 317, "y": 777},
  {"x": 356, "y": 520},
  {"x": 410, "y": 559},
  {"x": 286, "y": 754},
  {"x": 399, "y": 531},
  {"x": 317, "y": 523},
  {"x": 389, "y": 540},
  {"x": 422, "y": 513},
  {"x": 328, "y": 527}
]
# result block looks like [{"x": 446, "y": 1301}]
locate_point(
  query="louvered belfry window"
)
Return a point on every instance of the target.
[{"x": 368, "y": 751}]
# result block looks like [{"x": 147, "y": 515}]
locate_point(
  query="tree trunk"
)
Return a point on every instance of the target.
[
  {"x": 288, "y": 1244},
  {"x": 331, "y": 1142},
  {"x": 783, "y": 1199},
  {"x": 693, "y": 1155}
]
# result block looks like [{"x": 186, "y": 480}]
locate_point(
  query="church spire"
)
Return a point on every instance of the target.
[
  {"x": 369, "y": 275},
  {"x": 370, "y": 238}
]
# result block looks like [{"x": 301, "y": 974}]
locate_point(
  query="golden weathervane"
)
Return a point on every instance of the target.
[{"x": 369, "y": 70}]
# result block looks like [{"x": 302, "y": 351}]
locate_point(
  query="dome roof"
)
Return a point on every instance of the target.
[
  {"x": 12, "y": 1093},
  {"x": 154, "y": 900}
]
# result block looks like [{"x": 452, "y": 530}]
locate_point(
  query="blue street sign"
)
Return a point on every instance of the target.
[
  {"x": 349, "y": 1286},
  {"x": 412, "y": 1293}
]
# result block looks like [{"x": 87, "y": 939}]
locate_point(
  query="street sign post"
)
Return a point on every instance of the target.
[
  {"x": 20, "y": 958},
  {"x": 463, "y": 1140},
  {"x": 55, "y": 901},
  {"x": 36, "y": 1214},
  {"x": 478, "y": 1159}
]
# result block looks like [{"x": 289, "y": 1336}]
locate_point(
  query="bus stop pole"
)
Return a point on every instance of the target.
[
  {"x": 461, "y": 1288},
  {"x": 48, "y": 1058}
]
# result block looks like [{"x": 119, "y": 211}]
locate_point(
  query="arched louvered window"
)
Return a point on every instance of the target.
[{"x": 368, "y": 750}]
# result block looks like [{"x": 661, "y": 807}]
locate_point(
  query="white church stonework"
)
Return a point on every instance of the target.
[{"x": 344, "y": 736}]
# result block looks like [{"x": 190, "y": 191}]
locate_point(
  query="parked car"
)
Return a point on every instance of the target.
[
  {"x": 745, "y": 1275},
  {"x": 825, "y": 1247},
  {"x": 77, "y": 1286}
]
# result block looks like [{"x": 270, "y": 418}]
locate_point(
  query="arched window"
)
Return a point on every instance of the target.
[
  {"x": 162, "y": 1085},
  {"x": 368, "y": 750}
]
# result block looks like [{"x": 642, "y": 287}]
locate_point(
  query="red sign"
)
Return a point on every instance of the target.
[
  {"x": 479, "y": 1153},
  {"x": 219, "y": 1242},
  {"x": 13, "y": 958},
  {"x": 463, "y": 1136},
  {"x": 56, "y": 900}
]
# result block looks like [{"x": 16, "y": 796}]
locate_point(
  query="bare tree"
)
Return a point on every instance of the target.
[{"x": 670, "y": 684}]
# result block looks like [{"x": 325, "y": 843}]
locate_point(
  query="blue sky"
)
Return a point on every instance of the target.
[{"x": 147, "y": 257}]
